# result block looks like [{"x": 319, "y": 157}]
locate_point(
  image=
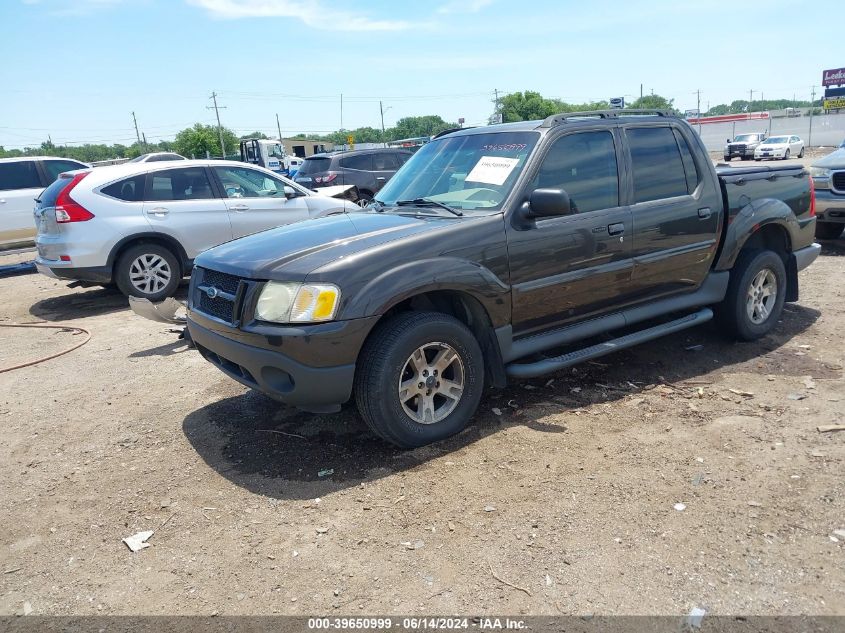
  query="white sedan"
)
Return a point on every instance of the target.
[{"x": 782, "y": 147}]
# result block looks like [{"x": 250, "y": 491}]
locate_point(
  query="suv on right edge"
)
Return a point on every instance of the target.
[
  {"x": 367, "y": 169},
  {"x": 829, "y": 179}
]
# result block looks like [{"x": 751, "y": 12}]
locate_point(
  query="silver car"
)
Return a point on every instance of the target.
[{"x": 141, "y": 225}]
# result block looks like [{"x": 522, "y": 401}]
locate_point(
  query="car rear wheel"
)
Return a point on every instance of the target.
[
  {"x": 756, "y": 292},
  {"x": 149, "y": 271},
  {"x": 828, "y": 230},
  {"x": 420, "y": 378}
]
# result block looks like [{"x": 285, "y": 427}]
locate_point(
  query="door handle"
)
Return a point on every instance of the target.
[
  {"x": 704, "y": 213},
  {"x": 159, "y": 211},
  {"x": 615, "y": 229},
  {"x": 381, "y": 178},
  {"x": 239, "y": 207}
]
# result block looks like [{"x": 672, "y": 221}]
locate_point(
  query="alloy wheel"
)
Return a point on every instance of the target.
[
  {"x": 762, "y": 296},
  {"x": 149, "y": 273},
  {"x": 431, "y": 383}
]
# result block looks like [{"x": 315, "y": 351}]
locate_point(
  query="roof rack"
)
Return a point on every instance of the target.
[{"x": 557, "y": 119}]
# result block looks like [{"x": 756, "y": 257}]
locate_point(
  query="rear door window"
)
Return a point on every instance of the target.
[
  {"x": 128, "y": 189},
  {"x": 19, "y": 175},
  {"x": 656, "y": 163},
  {"x": 56, "y": 167},
  {"x": 188, "y": 183},
  {"x": 690, "y": 168},
  {"x": 386, "y": 161},
  {"x": 361, "y": 162}
]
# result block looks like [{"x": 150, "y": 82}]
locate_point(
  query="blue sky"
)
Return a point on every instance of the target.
[{"x": 76, "y": 69}]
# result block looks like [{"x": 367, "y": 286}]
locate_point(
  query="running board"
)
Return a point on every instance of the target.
[{"x": 547, "y": 365}]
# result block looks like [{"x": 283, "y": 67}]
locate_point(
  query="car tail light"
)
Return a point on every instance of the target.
[
  {"x": 326, "y": 179},
  {"x": 812, "y": 198},
  {"x": 68, "y": 209}
]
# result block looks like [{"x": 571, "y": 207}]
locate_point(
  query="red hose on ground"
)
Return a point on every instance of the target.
[{"x": 51, "y": 356}]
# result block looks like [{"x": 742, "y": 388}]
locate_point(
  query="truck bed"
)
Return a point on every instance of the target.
[{"x": 743, "y": 185}]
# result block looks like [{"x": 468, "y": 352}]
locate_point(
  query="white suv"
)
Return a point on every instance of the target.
[
  {"x": 21, "y": 180},
  {"x": 140, "y": 225}
]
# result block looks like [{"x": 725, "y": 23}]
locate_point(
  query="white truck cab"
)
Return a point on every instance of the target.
[{"x": 269, "y": 154}]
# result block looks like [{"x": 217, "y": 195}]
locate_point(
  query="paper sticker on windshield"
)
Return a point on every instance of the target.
[{"x": 492, "y": 170}]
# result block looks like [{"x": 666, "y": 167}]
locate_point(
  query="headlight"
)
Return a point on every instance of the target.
[
  {"x": 819, "y": 172},
  {"x": 297, "y": 303}
]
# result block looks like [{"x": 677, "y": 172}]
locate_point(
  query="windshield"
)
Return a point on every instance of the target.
[
  {"x": 276, "y": 151},
  {"x": 746, "y": 138},
  {"x": 475, "y": 171},
  {"x": 775, "y": 140}
]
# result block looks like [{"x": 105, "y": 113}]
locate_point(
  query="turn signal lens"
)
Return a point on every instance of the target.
[{"x": 297, "y": 303}]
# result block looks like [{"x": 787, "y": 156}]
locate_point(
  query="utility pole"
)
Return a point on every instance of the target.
[
  {"x": 135, "y": 121},
  {"x": 497, "y": 115},
  {"x": 381, "y": 111},
  {"x": 750, "y": 99},
  {"x": 641, "y": 91},
  {"x": 698, "y": 107},
  {"x": 812, "y": 102},
  {"x": 278, "y": 126},
  {"x": 216, "y": 109},
  {"x": 145, "y": 141}
]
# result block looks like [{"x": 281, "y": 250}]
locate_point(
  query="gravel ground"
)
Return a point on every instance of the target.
[{"x": 561, "y": 498}]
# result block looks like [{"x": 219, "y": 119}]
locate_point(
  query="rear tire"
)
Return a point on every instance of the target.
[
  {"x": 828, "y": 230},
  {"x": 413, "y": 349},
  {"x": 149, "y": 271},
  {"x": 756, "y": 292},
  {"x": 728, "y": 159}
]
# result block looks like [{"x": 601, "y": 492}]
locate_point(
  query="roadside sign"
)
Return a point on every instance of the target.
[
  {"x": 834, "y": 104},
  {"x": 617, "y": 102},
  {"x": 350, "y": 140},
  {"x": 833, "y": 77}
]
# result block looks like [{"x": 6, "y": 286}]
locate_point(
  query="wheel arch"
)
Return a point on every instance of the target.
[
  {"x": 161, "y": 239},
  {"x": 465, "y": 307}
]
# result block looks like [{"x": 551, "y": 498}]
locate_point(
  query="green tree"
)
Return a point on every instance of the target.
[
  {"x": 199, "y": 139},
  {"x": 528, "y": 106},
  {"x": 413, "y": 126},
  {"x": 260, "y": 135},
  {"x": 653, "y": 102}
]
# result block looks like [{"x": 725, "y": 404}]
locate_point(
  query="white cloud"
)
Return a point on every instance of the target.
[
  {"x": 464, "y": 6},
  {"x": 311, "y": 13}
]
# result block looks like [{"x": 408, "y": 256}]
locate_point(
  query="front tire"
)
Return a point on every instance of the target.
[
  {"x": 828, "y": 230},
  {"x": 756, "y": 292},
  {"x": 420, "y": 378},
  {"x": 786, "y": 155},
  {"x": 801, "y": 153},
  {"x": 149, "y": 271}
]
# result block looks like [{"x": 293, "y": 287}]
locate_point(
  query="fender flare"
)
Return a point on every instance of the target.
[
  {"x": 752, "y": 218},
  {"x": 378, "y": 295},
  {"x": 151, "y": 236}
]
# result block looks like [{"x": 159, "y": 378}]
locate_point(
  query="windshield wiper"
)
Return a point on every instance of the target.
[{"x": 427, "y": 202}]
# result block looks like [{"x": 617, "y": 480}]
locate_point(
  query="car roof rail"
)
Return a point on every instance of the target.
[{"x": 563, "y": 117}]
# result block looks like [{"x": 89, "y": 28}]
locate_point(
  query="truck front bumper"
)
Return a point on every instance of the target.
[
  {"x": 807, "y": 255},
  {"x": 292, "y": 364},
  {"x": 830, "y": 207}
]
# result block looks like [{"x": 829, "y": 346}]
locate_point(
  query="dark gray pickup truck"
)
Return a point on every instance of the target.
[{"x": 499, "y": 252}]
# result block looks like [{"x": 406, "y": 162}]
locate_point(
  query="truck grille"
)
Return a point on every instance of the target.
[
  {"x": 740, "y": 149},
  {"x": 837, "y": 180},
  {"x": 215, "y": 294}
]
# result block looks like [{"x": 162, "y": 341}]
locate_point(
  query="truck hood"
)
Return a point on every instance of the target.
[
  {"x": 291, "y": 252},
  {"x": 834, "y": 160}
]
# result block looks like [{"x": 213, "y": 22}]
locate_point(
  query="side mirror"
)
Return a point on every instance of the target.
[
  {"x": 549, "y": 203},
  {"x": 727, "y": 140},
  {"x": 290, "y": 192}
]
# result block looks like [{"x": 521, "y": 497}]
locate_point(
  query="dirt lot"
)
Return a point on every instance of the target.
[{"x": 564, "y": 487}]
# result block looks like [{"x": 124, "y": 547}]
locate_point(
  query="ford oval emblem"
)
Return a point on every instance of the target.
[{"x": 211, "y": 292}]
